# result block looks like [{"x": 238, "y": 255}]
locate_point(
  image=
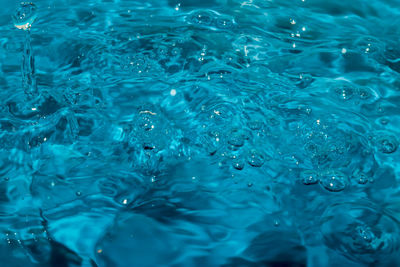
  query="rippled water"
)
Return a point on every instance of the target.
[{"x": 200, "y": 133}]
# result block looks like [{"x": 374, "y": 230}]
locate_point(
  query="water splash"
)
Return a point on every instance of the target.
[
  {"x": 25, "y": 15},
  {"x": 23, "y": 18}
]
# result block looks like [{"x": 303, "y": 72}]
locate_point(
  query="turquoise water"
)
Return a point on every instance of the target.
[{"x": 200, "y": 133}]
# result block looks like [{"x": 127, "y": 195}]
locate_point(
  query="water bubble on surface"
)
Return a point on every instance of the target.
[
  {"x": 255, "y": 124},
  {"x": 367, "y": 45},
  {"x": 305, "y": 80},
  {"x": 255, "y": 158},
  {"x": 345, "y": 92},
  {"x": 364, "y": 93},
  {"x": 309, "y": 177},
  {"x": 384, "y": 121},
  {"x": 360, "y": 177},
  {"x": 25, "y": 15},
  {"x": 201, "y": 18},
  {"x": 176, "y": 52},
  {"x": 162, "y": 51},
  {"x": 236, "y": 138},
  {"x": 387, "y": 143},
  {"x": 333, "y": 180},
  {"x": 211, "y": 145},
  {"x": 224, "y": 23},
  {"x": 146, "y": 120},
  {"x": 255, "y": 121},
  {"x": 363, "y": 237},
  {"x": 238, "y": 164}
]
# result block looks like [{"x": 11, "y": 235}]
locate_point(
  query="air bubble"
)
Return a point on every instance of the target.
[
  {"x": 138, "y": 63},
  {"x": 255, "y": 121},
  {"x": 368, "y": 45},
  {"x": 345, "y": 92},
  {"x": 224, "y": 23},
  {"x": 360, "y": 177},
  {"x": 210, "y": 145},
  {"x": 334, "y": 181},
  {"x": 176, "y": 52},
  {"x": 305, "y": 80},
  {"x": 255, "y": 158},
  {"x": 364, "y": 93},
  {"x": 309, "y": 177},
  {"x": 162, "y": 51},
  {"x": 236, "y": 138},
  {"x": 255, "y": 124},
  {"x": 387, "y": 144},
  {"x": 363, "y": 237},
  {"x": 25, "y": 15},
  {"x": 238, "y": 164},
  {"x": 201, "y": 18}
]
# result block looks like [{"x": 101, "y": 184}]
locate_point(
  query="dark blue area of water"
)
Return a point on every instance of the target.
[{"x": 199, "y": 133}]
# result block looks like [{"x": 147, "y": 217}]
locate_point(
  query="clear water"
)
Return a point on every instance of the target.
[{"x": 200, "y": 133}]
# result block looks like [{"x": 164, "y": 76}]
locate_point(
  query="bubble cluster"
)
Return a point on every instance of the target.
[{"x": 161, "y": 117}]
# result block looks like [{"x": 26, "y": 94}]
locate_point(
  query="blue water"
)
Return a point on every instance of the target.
[{"x": 200, "y": 133}]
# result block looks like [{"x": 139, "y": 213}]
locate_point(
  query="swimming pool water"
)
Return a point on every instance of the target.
[{"x": 200, "y": 133}]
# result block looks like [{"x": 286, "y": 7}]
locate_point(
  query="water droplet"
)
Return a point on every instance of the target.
[
  {"x": 309, "y": 177},
  {"x": 333, "y": 180},
  {"x": 25, "y": 15},
  {"x": 255, "y": 158}
]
